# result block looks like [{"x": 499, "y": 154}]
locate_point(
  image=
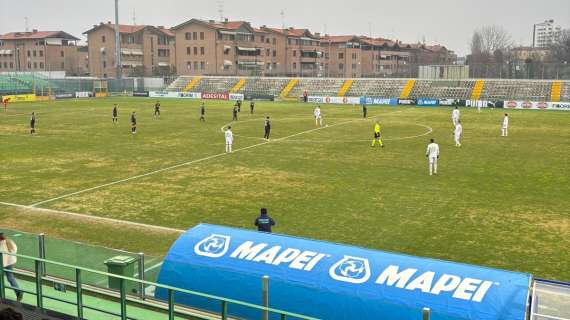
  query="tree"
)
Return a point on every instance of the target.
[
  {"x": 560, "y": 49},
  {"x": 489, "y": 46}
]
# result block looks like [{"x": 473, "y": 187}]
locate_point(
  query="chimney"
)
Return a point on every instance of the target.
[
  {"x": 34, "y": 30},
  {"x": 226, "y": 20},
  {"x": 108, "y": 22}
]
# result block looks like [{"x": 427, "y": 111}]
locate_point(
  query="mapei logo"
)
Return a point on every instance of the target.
[
  {"x": 351, "y": 269},
  {"x": 214, "y": 246}
]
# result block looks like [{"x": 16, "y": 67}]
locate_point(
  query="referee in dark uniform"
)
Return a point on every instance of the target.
[{"x": 264, "y": 222}]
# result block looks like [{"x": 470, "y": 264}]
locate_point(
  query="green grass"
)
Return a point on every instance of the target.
[{"x": 499, "y": 202}]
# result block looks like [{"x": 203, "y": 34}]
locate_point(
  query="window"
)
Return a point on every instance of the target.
[
  {"x": 294, "y": 65},
  {"x": 195, "y": 35},
  {"x": 41, "y": 53},
  {"x": 226, "y": 67},
  {"x": 201, "y": 35},
  {"x": 104, "y": 64},
  {"x": 29, "y": 53},
  {"x": 41, "y": 65},
  {"x": 188, "y": 50},
  {"x": 275, "y": 53},
  {"x": 226, "y": 51},
  {"x": 268, "y": 66},
  {"x": 274, "y": 66},
  {"x": 195, "y": 51},
  {"x": 163, "y": 52},
  {"x": 354, "y": 56},
  {"x": 35, "y": 65},
  {"x": 11, "y": 65},
  {"x": 103, "y": 39},
  {"x": 267, "y": 52},
  {"x": 188, "y": 36},
  {"x": 263, "y": 39},
  {"x": 294, "y": 53},
  {"x": 274, "y": 41},
  {"x": 62, "y": 54},
  {"x": 1, "y": 65},
  {"x": 35, "y": 53},
  {"x": 353, "y": 66},
  {"x": 202, "y": 51},
  {"x": 341, "y": 66},
  {"x": 189, "y": 65},
  {"x": 202, "y": 65},
  {"x": 29, "y": 65},
  {"x": 341, "y": 55}
]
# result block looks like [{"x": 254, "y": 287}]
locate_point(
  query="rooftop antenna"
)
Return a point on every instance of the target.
[
  {"x": 370, "y": 29},
  {"x": 221, "y": 9},
  {"x": 282, "y": 14},
  {"x": 26, "y": 24},
  {"x": 325, "y": 28},
  {"x": 134, "y": 16}
]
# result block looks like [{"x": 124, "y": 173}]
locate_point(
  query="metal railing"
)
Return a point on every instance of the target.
[{"x": 170, "y": 308}]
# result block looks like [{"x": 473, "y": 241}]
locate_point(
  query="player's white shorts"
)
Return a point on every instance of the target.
[
  {"x": 432, "y": 160},
  {"x": 228, "y": 141}
]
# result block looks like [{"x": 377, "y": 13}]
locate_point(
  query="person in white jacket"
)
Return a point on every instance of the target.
[
  {"x": 432, "y": 153},
  {"x": 457, "y": 133},
  {"x": 505, "y": 127},
  {"x": 8, "y": 261},
  {"x": 318, "y": 116}
]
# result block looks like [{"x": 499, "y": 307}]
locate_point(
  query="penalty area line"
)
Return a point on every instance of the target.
[{"x": 182, "y": 165}]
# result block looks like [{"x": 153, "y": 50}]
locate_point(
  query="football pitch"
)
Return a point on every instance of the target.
[{"x": 499, "y": 202}]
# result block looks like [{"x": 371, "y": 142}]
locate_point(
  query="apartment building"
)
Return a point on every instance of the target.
[
  {"x": 208, "y": 47},
  {"x": 145, "y": 50},
  {"x": 546, "y": 33},
  {"x": 39, "y": 51}
]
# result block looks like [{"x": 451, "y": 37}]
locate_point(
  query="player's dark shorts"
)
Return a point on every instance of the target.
[
  {"x": 376, "y": 135},
  {"x": 32, "y": 124}
]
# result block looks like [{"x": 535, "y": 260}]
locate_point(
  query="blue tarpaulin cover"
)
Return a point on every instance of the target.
[{"x": 334, "y": 281}]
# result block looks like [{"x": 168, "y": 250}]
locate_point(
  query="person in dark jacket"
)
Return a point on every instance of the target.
[{"x": 264, "y": 222}]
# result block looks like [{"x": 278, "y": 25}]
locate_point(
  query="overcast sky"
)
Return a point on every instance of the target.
[{"x": 449, "y": 22}]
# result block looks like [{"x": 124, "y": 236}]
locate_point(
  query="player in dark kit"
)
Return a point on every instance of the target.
[
  {"x": 202, "y": 112},
  {"x": 251, "y": 106},
  {"x": 133, "y": 123},
  {"x": 238, "y": 104},
  {"x": 364, "y": 111},
  {"x": 267, "y": 128},
  {"x": 115, "y": 114},
  {"x": 234, "y": 114},
  {"x": 157, "y": 109},
  {"x": 33, "y": 123}
]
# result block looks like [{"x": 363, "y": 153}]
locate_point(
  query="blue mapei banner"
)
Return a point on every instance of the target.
[
  {"x": 332, "y": 281},
  {"x": 423, "y": 102},
  {"x": 378, "y": 101}
]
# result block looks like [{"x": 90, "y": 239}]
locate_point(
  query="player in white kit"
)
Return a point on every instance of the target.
[
  {"x": 505, "y": 127},
  {"x": 229, "y": 139},
  {"x": 458, "y": 133},
  {"x": 432, "y": 153},
  {"x": 455, "y": 116},
  {"x": 318, "y": 116}
]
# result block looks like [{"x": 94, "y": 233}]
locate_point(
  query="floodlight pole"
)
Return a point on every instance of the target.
[{"x": 117, "y": 41}]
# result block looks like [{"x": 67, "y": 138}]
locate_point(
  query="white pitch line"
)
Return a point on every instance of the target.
[
  {"x": 179, "y": 165},
  {"x": 93, "y": 217}
]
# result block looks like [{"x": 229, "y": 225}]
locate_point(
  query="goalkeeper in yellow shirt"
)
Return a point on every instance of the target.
[{"x": 377, "y": 135}]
